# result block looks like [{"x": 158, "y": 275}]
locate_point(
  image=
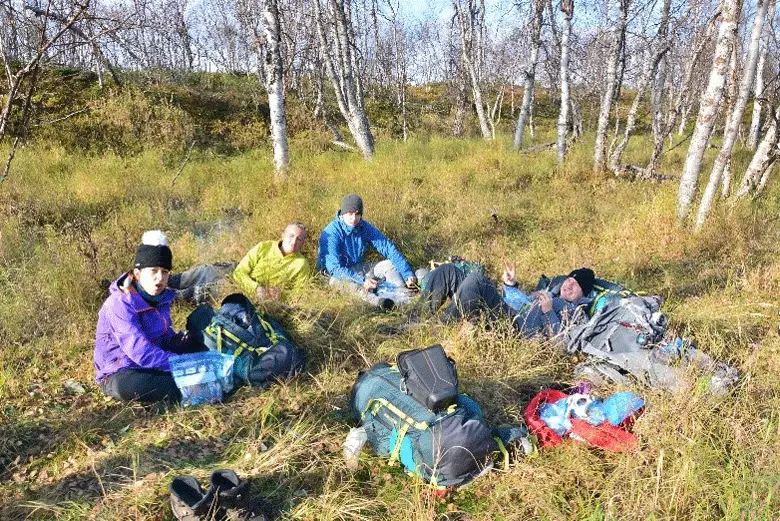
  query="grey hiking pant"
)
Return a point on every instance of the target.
[
  {"x": 201, "y": 282},
  {"x": 382, "y": 270}
]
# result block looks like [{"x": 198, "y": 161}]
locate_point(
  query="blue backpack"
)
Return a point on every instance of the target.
[
  {"x": 447, "y": 449},
  {"x": 262, "y": 349}
]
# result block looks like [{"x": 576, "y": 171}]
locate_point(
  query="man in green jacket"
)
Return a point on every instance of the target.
[
  {"x": 265, "y": 271},
  {"x": 272, "y": 266}
]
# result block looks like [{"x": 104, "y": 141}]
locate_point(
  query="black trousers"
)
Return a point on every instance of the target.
[
  {"x": 441, "y": 285},
  {"x": 143, "y": 385},
  {"x": 203, "y": 278},
  {"x": 150, "y": 385},
  {"x": 469, "y": 296}
]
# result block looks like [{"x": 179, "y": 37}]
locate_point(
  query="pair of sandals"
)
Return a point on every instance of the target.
[{"x": 227, "y": 499}]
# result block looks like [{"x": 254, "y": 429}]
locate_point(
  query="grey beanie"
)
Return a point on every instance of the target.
[{"x": 352, "y": 203}]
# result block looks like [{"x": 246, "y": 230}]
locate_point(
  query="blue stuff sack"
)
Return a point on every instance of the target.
[{"x": 205, "y": 377}]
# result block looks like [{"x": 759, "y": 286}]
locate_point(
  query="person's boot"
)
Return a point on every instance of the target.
[
  {"x": 233, "y": 496},
  {"x": 190, "y": 503},
  {"x": 386, "y": 304}
]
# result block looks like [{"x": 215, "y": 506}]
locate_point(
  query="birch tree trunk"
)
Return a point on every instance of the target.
[
  {"x": 274, "y": 86},
  {"x": 340, "y": 64},
  {"x": 644, "y": 83},
  {"x": 730, "y": 132},
  {"x": 708, "y": 109},
  {"x": 659, "y": 83},
  {"x": 763, "y": 160},
  {"x": 567, "y": 8},
  {"x": 470, "y": 50},
  {"x": 599, "y": 155},
  {"x": 758, "y": 96},
  {"x": 460, "y": 104},
  {"x": 537, "y": 12}
]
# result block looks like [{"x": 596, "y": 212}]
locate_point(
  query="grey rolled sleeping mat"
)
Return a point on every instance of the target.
[{"x": 628, "y": 337}]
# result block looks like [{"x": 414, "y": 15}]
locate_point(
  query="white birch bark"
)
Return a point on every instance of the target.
[
  {"x": 708, "y": 109},
  {"x": 763, "y": 160},
  {"x": 758, "y": 98},
  {"x": 537, "y": 11},
  {"x": 765, "y": 176},
  {"x": 469, "y": 51},
  {"x": 274, "y": 86},
  {"x": 599, "y": 155},
  {"x": 567, "y": 8},
  {"x": 340, "y": 64},
  {"x": 644, "y": 83},
  {"x": 659, "y": 83},
  {"x": 730, "y": 132}
]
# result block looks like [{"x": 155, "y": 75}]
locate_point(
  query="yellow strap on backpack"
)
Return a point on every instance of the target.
[
  {"x": 269, "y": 329},
  {"x": 504, "y": 452},
  {"x": 218, "y": 331},
  {"x": 378, "y": 403}
]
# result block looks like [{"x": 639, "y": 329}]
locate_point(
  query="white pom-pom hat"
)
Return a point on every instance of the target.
[
  {"x": 154, "y": 238},
  {"x": 153, "y": 251}
]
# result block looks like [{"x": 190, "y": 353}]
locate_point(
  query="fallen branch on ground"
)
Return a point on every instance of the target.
[
  {"x": 343, "y": 145},
  {"x": 538, "y": 148},
  {"x": 63, "y": 118},
  {"x": 636, "y": 172}
]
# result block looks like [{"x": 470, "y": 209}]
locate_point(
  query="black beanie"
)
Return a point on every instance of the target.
[
  {"x": 352, "y": 203},
  {"x": 585, "y": 278},
  {"x": 153, "y": 252}
]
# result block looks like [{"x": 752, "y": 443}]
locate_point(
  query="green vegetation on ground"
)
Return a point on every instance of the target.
[{"x": 69, "y": 222}]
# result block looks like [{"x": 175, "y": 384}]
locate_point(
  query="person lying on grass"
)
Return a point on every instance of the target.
[
  {"x": 343, "y": 244},
  {"x": 265, "y": 271},
  {"x": 134, "y": 337},
  {"x": 537, "y": 314}
]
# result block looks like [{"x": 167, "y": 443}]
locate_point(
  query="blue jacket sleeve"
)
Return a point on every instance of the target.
[
  {"x": 333, "y": 264},
  {"x": 388, "y": 250},
  {"x": 553, "y": 318}
]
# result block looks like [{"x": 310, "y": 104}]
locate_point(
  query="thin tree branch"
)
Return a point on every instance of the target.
[
  {"x": 63, "y": 118},
  {"x": 186, "y": 160}
]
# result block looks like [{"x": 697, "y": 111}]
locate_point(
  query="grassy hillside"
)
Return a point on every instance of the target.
[{"x": 69, "y": 222}]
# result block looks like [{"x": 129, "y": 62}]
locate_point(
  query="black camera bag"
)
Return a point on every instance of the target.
[{"x": 428, "y": 375}]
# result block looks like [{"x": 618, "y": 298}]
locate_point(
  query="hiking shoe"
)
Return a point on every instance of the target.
[
  {"x": 233, "y": 496},
  {"x": 190, "y": 503},
  {"x": 386, "y": 304}
]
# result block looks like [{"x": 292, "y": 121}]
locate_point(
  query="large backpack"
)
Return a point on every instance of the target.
[
  {"x": 464, "y": 265},
  {"x": 628, "y": 337},
  {"x": 447, "y": 449},
  {"x": 262, "y": 349}
]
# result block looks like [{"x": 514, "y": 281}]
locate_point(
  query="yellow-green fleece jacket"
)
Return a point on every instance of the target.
[{"x": 265, "y": 265}]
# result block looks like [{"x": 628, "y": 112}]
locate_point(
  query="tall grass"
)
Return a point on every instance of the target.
[{"x": 70, "y": 223}]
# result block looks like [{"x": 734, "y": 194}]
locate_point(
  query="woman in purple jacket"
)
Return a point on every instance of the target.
[{"x": 134, "y": 335}]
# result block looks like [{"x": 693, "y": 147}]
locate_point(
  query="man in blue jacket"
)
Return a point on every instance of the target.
[{"x": 344, "y": 242}]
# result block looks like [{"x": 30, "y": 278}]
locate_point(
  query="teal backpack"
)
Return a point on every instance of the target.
[{"x": 449, "y": 448}]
